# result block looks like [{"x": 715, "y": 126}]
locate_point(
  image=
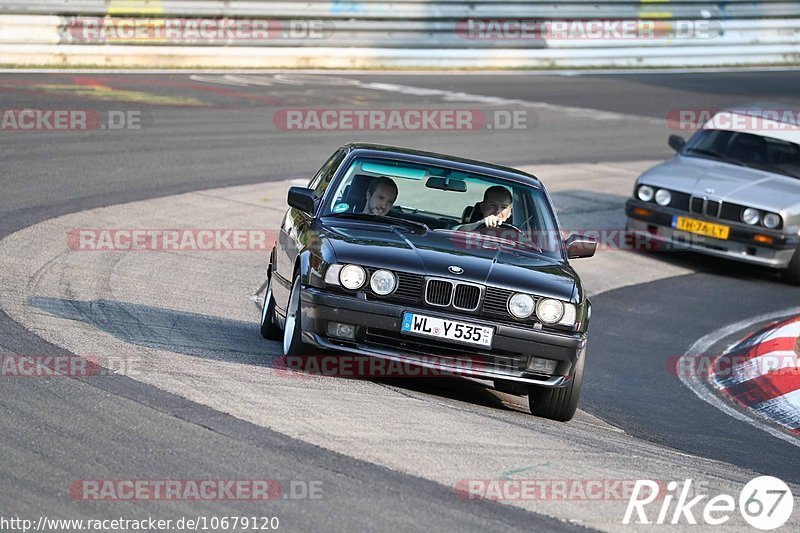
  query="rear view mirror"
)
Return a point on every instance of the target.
[
  {"x": 676, "y": 142},
  {"x": 446, "y": 184},
  {"x": 579, "y": 246},
  {"x": 302, "y": 199}
]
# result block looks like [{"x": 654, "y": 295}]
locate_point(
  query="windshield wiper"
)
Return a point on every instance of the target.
[{"x": 383, "y": 220}]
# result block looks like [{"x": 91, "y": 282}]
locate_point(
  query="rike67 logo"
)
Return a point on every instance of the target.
[{"x": 765, "y": 503}]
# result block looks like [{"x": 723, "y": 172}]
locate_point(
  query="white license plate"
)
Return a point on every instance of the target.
[{"x": 428, "y": 326}]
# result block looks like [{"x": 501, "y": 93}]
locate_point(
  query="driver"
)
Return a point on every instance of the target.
[
  {"x": 495, "y": 209},
  {"x": 381, "y": 194}
]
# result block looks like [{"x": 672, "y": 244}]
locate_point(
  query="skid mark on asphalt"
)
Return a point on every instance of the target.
[{"x": 192, "y": 334}]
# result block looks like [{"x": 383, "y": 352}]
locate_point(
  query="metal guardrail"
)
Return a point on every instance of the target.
[{"x": 415, "y": 32}]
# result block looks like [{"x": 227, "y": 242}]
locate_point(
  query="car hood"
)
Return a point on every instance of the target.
[
  {"x": 729, "y": 183},
  {"x": 433, "y": 252}
]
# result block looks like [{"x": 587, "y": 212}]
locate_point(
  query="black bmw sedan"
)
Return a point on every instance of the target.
[{"x": 435, "y": 261}]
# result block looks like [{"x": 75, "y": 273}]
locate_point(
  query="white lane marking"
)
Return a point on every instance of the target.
[
  {"x": 697, "y": 386},
  {"x": 457, "y": 96},
  {"x": 409, "y": 90}
]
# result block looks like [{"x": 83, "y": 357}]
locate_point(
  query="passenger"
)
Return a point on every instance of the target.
[
  {"x": 381, "y": 194},
  {"x": 495, "y": 209}
]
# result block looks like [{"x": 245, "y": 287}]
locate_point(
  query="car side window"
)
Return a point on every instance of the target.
[{"x": 320, "y": 182}]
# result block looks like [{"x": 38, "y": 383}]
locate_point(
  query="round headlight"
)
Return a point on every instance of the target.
[
  {"x": 520, "y": 305},
  {"x": 383, "y": 282},
  {"x": 549, "y": 311},
  {"x": 663, "y": 197},
  {"x": 352, "y": 276},
  {"x": 645, "y": 193},
  {"x": 751, "y": 216},
  {"x": 772, "y": 221}
]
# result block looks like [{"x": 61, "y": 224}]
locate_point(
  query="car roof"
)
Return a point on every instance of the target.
[
  {"x": 431, "y": 158},
  {"x": 777, "y": 121}
]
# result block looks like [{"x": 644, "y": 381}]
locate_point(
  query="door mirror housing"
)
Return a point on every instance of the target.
[
  {"x": 676, "y": 142},
  {"x": 579, "y": 246},
  {"x": 302, "y": 199}
]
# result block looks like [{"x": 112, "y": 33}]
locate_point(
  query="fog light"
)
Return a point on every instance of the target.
[
  {"x": 342, "y": 331},
  {"x": 542, "y": 366}
]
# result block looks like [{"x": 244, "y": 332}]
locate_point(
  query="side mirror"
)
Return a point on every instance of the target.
[
  {"x": 676, "y": 142},
  {"x": 302, "y": 199},
  {"x": 579, "y": 246}
]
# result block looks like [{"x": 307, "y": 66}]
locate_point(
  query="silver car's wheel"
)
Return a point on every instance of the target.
[
  {"x": 292, "y": 345},
  {"x": 792, "y": 274}
]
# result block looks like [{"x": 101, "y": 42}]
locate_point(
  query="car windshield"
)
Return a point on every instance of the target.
[
  {"x": 419, "y": 197},
  {"x": 746, "y": 149}
]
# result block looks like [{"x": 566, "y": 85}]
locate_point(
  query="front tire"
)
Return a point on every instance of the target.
[
  {"x": 268, "y": 328},
  {"x": 292, "y": 334},
  {"x": 558, "y": 403}
]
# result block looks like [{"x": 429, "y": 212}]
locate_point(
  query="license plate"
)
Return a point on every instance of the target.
[
  {"x": 698, "y": 227},
  {"x": 428, "y": 326}
]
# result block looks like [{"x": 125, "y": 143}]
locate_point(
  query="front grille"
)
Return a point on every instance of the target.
[
  {"x": 439, "y": 292},
  {"x": 467, "y": 297},
  {"x": 703, "y": 206},
  {"x": 409, "y": 286},
  {"x": 680, "y": 200},
  {"x": 496, "y": 301},
  {"x": 444, "y": 293},
  {"x": 712, "y": 208}
]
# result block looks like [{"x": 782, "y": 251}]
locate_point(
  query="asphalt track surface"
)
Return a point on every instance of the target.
[{"x": 52, "y": 429}]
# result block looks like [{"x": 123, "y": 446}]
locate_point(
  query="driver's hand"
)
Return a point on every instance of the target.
[{"x": 493, "y": 221}]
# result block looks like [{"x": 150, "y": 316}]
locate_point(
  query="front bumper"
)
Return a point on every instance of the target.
[
  {"x": 378, "y": 335},
  {"x": 740, "y": 246}
]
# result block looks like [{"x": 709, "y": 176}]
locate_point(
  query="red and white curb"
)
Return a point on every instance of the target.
[{"x": 762, "y": 373}]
